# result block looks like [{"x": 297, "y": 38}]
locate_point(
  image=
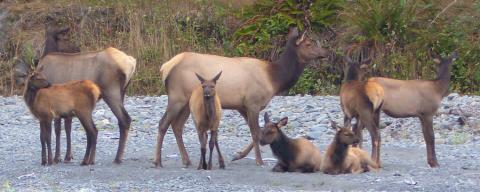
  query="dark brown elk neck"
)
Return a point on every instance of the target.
[
  {"x": 209, "y": 104},
  {"x": 353, "y": 73},
  {"x": 340, "y": 152},
  {"x": 29, "y": 95},
  {"x": 283, "y": 148},
  {"x": 50, "y": 45},
  {"x": 286, "y": 71},
  {"x": 443, "y": 78}
]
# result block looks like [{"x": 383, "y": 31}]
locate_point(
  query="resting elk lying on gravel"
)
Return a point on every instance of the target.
[
  {"x": 341, "y": 157},
  {"x": 416, "y": 98},
  {"x": 110, "y": 69},
  {"x": 248, "y": 85},
  {"x": 292, "y": 154},
  {"x": 206, "y": 112},
  {"x": 47, "y": 102}
]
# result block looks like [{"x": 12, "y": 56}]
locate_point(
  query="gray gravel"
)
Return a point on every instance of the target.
[{"x": 403, "y": 151}]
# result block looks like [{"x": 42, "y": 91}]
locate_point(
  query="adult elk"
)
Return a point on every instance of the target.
[
  {"x": 110, "y": 69},
  {"x": 417, "y": 98},
  {"x": 248, "y": 85},
  {"x": 361, "y": 100}
]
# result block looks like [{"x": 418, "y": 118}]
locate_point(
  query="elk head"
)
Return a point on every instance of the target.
[
  {"x": 344, "y": 135},
  {"x": 271, "y": 131},
  {"x": 306, "y": 48},
  {"x": 208, "y": 86}
]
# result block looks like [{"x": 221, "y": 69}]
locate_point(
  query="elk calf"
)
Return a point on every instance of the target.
[
  {"x": 47, "y": 102},
  {"x": 341, "y": 157},
  {"x": 206, "y": 111},
  {"x": 292, "y": 154}
]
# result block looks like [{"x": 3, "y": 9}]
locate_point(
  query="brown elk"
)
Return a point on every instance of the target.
[
  {"x": 47, "y": 102},
  {"x": 206, "y": 112},
  {"x": 111, "y": 69},
  {"x": 341, "y": 157},
  {"x": 417, "y": 98},
  {"x": 248, "y": 86},
  {"x": 362, "y": 100},
  {"x": 292, "y": 154}
]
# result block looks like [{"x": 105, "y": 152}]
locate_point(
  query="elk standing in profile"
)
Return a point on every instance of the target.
[
  {"x": 110, "y": 69},
  {"x": 47, "y": 102},
  {"x": 248, "y": 86},
  {"x": 362, "y": 100},
  {"x": 206, "y": 112},
  {"x": 341, "y": 157},
  {"x": 417, "y": 98},
  {"x": 292, "y": 154}
]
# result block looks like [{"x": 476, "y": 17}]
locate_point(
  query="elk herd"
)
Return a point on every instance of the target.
[{"x": 67, "y": 84}]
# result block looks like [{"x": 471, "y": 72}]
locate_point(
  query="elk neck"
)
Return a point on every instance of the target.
[
  {"x": 50, "y": 45},
  {"x": 286, "y": 71},
  {"x": 340, "y": 152},
  {"x": 209, "y": 104},
  {"x": 283, "y": 148},
  {"x": 353, "y": 73},
  {"x": 443, "y": 77}
]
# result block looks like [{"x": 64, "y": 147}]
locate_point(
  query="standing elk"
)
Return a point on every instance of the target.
[
  {"x": 47, "y": 102},
  {"x": 206, "y": 112},
  {"x": 361, "y": 100},
  {"x": 292, "y": 154},
  {"x": 111, "y": 69},
  {"x": 416, "y": 98},
  {"x": 248, "y": 86}
]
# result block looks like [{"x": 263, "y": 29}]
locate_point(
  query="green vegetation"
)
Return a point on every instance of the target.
[{"x": 399, "y": 35}]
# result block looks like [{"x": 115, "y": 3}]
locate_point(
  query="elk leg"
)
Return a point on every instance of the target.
[
  {"x": 255, "y": 132},
  {"x": 202, "y": 137},
  {"x": 429, "y": 136},
  {"x": 114, "y": 101},
  {"x": 211, "y": 145},
  {"x": 246, "y": 149},
  {"x": 93, "y": 131},
  {"x": 58, "y": 129},
  {"x": 221, "y": 162},
  {"x": 43, "y": 142},
  {"x": 88, "y": 132},
  {"x": 177, "y": 125},
  {"x": 357, "y": 128},
  {"x": 171, "y": 112},
  {"x": 68, "y": 132},
  {"x": 375, "y": 136},
  {"x": 48, "y": 127}
]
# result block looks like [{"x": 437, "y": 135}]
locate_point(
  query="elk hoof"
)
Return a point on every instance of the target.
[
  {"x": 158, "y": 164},
  {"x": 433, "y": 164},
  {"x": 117, "y": 161},
  {"x": 84, "y": 163},
  {"x": 57, "y": 160},
  {"x": 260, "y": 162}
]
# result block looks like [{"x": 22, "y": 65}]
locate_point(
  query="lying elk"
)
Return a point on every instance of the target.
[
  {"x": 47, "y": 101},
  {"x": 341, "y": 157},
  {"x": 417, "y": 98},
  {"x": 248, "y": 86},
  {"x": 206, "y": 112},
  {"x": 110, "y": 69},
  {"x": 292, "y": 154},
  {"x": 362, "y": 100}
]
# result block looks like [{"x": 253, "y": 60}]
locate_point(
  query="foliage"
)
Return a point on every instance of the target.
[{"x": 266, "y": 22}]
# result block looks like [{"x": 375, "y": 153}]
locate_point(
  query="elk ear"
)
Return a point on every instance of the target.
[
  {"x": 215, "y": 79},
  {"x": 348, "y": 60},
  {"x": 266, "y": 118},
  {"x": 293, "y": 32},
  {"x": 437, "y": 60},
  {"x": 282, "y": 122},
  {"x": 334, "y": 125},
  {"x": 301, "y": 39},
  {"x": 200, "y": 78}
]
